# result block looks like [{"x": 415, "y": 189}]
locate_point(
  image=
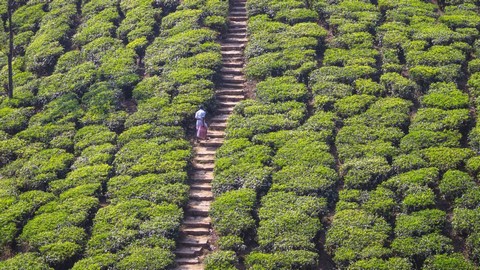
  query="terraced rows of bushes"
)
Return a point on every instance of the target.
[
  {"x": 365, "y": 134},
  {"x": 93, "y": 151}
]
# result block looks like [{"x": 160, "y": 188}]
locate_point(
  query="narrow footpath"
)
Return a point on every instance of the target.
[{"x": 196, "y": 231}]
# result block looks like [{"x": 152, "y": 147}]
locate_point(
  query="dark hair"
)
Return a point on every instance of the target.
[{"x": 201, "y": 107}]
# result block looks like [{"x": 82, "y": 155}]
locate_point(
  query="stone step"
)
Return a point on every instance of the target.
[
  {"x": 202, "y": 166},
  {"x": 204, "y": 158},
  {"x": 195, "y": 231},
  {"x": 199, "y": 150},
  {"x": 233, "y": 64},
  {"x": 241, "y": 18},
  {"x": 186, "y": 263},
  {"x": 238, "y": 29},
  {"x": 232, "y": 70},
  {"x": 225, "y": 110},
  {"x": 232, "y": 53},
  {"x": 213, "y": 143},
  {"x": 239, "y": 41},
  {"x": 216, "y": 134},
  {"x": 184, "y": 266},
  {"x": 238, "y": 13},
  {"x": 228, "y": 91},
  {"x": 202, "y": 176},
  {"x": 226, "y": 104},
  {"x": 194, "y": 240},
  {"x": 233, "y": 24},
  {"x": 198, "y": 208},
  {"x": 233, "y": 46},
  {"x": 236, "y": 35},
  {"x": 229, "y": 59},
  {"x": 235, "y": 85},
  {"x": 197, "y": 222},
  {"x": 220, "y": 117},
  {"x": 201, "y": 186},
  {"x": 232, "y": 78},
  {"x": 201, "y": 194},
  {"x": 218, "y": 126},
  {"x": 230, "y": 97},
  {"x": 188, "y": 252}
]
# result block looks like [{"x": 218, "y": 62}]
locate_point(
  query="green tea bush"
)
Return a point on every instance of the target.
[
  {"x": 353, "y": 105},
  {"x": 95, "y": 174},
  {"x": 455, "y": 183},
  {"x": 93, "y": 135},
  {"x": 281, "y": 89},
  {"x": 356, "y": 235},
  {"x": 446, "y": 158},
  {"x": 365, "y": 172},
  {"x": 151, "y": 156},
  {"x": 397, "y": 85},
  {"x": 232, "y": 212},
  {"x": 62, "y": 110},
  {"x": 28, "y": 260},
  {"x": 13, "y": 120},
  {"x": 420, "y": 223},
  {"x": 291, "y": 259},
  {"x": 447, "y": 261},
  {"x": 438, "y": 120},
  {"x": 288, "y": 221},
  {"x": 420, "y": 139},
  {"x": 156, "y": 188},
  {"x": 95, "y": 155},
  {"x": 116, "y": 226},
  {"x": 422, "y": 247},
  {"x": 445, "y": 96},
  {"x": 394, "y": 263},
  {"x": 221, "y": 260}
]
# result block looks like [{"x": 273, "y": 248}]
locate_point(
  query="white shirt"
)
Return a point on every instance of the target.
[{"x": 200, "y": 116}]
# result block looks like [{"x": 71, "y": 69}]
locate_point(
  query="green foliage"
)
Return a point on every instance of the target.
[
  {"x": 420, "y": 139},
  {"x": 13, "y": 120},
  {"x": 438, "y": 120},
  {"x": 116, "y": 226},
  {"x": 281, "y": 89},
  {"x": 422, "y": 247},
  {"x": 355, "y": 235},
  {"x": 420, "y": 223},
  {"x": 221, "y": 260},
  {"x": 448, "y": 261},
  {"x": 446, "y": 158},
  {"x": 445, "y": 96},
  {"x": 455, "y": 183},
  {"x": 27, "y": 260},
  {"x": 156, "y": 188},
  {"x": 144, "y": 156},
  {"x": 232, "y": 211},
  {"x": 96, "y": 174},
  {"x": 284, "y": 260},
  {"x": 147, "y": 258},
  {"x": 365, "y": 172},
  {"x": 288, "y": 221},
  {"x": 397, "y": 85},
  {"x": 394, "y": 263},
  {"x": 353, "y": 105}
]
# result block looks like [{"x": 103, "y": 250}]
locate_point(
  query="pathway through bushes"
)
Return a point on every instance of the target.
[{"x": 196, "y": 231}]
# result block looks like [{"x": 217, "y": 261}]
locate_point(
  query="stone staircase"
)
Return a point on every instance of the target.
[{"x": 196, "y": 230}]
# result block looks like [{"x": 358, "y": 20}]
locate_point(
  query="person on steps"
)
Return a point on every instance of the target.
[{"x": 201, "y": 125}]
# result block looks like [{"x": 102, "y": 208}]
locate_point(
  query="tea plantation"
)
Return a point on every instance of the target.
[{"x": 358, "y": 147}]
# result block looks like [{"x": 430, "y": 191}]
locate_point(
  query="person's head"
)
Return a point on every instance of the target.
[{"x": 201, "y": 107}]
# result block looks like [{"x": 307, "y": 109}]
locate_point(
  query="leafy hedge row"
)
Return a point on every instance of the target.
[
  {"x": 261, "y": 156},
  {"x": 150, "y": 167},
  {"x": 412, "y": 166},
  {"x": 85, "y": 91}
]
